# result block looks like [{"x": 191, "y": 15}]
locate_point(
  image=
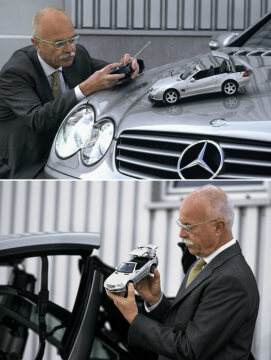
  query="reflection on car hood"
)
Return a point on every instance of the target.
[{"x": 129, "y": 107}]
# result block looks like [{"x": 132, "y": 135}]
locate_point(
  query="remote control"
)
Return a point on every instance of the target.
[{"x": 127, "y": 68}]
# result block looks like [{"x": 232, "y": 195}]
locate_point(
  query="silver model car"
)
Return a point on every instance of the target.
[
  {"x": 227, "y": 77},
  {"x": 119, "y": 134},
  {"x": 143, "y": 263}
]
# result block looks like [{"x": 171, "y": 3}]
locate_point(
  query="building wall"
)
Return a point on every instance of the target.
[
  {"x": 127, "y": 214},
  {"x": 108, "y": 28}
]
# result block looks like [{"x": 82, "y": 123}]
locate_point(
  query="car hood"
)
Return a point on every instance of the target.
[
  {"x": 129, "y": 107},
  {"x": 117, "y": 278}
]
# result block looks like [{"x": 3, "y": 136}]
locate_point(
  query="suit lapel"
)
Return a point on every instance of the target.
[
  {"x": 41, "y": 79},
  {"x": 205, "y": 273}
]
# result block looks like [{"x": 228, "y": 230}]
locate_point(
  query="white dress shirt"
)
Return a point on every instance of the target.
[{"x": 49, "y": 70}]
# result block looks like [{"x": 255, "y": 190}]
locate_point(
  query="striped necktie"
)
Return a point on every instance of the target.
[
  {"x": 196, "y": 269},
  {"x": 56, "y": 84}
]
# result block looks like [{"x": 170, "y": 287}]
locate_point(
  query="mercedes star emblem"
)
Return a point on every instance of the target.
[{"x": 201, "y": 160}]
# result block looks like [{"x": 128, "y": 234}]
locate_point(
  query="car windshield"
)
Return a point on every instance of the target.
[
  {"x": 188, "y": 73},
  {"x": 261, "y": 38},
  {"x": 126, "y": 267}
]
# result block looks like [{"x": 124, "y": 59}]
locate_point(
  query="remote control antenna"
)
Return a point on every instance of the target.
[{"x": 148, "y": 43}]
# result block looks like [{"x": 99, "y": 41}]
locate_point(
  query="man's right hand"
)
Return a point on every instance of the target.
[
  {"x": 100, "y": 80},
  {"x": 149, "y": 288}
]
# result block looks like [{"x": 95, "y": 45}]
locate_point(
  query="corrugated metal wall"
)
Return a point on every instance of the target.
[
  {"x": 165, "y": 15},
  {"x": 126, "y": 216}
]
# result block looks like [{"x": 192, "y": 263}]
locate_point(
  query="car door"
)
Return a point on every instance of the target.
[{"x": 204, "y": 81}]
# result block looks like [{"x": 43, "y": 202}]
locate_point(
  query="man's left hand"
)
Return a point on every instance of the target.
[
  {"x": 126, "y": 58},
  {"x": 127, "y": 306}
]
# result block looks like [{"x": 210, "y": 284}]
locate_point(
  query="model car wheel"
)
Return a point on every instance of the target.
[
  {"x": 152, "y": 268},
  {"x": 229, "y": 87},
  {"x": 171, "y": 96}
]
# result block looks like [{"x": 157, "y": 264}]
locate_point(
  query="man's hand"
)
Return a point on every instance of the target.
[
  {"x": 100, "y": 80},
  {"x": 127, "y": 306},
  {"x": 126, "y": 58},
  {"x": 149, "y": 288}
]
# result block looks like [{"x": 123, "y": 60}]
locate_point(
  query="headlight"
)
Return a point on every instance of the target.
[
  {"x": 154, "y": 90},
  {"x": 80, "y": 132}
]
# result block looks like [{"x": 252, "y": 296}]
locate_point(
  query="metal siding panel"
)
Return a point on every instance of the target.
[
  {"x": 189, "y": 11},
  {"x": 34, "y": 203},
  {"x": 173, "y": 269},
  {"x": 142, "y": 226},
  {"x": 155, "y": 14},
  {"x": 254, "y": 11},
  {"x": 205, "y": 14},
  {"x": 160, "y": 239},
  {"x": 6, "y": 207},
  {"x": 110, "y": 222},
  {"x": 79, "y": 205},
  {"x": 249, "y": 235},
  {"x": 121, "y": 13},
  {"x": 138, "y": 11},
  {"x": 172, "y": 14},
  {"x": 49, "y": 206},
  {"x": 105, "y": 12},
  {"x": 88, "y": 12},
  {"x": 126, "y": 223},
  {"x": 222, "y": 14},
  {"x": 263, "y": 326},
  {"x": 238, "y": 14}
]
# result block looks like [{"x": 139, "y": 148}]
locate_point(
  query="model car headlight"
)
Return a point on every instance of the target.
[
  {"x": 80, "y": 132},
  {"x": 154, "y": 90}
]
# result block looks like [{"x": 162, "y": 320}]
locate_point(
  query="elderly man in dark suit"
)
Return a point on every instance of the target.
[
  {"x": 39, "y": 85},
  {"x": 214, "y": 313}
]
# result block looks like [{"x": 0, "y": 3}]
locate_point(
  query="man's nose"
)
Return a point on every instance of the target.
[
  {"x": 68, "y": 47},
  {"x": 182, "y": 233}
]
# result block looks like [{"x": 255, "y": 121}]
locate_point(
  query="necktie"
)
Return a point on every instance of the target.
[
  {"x": 56, "y": 84},
  {"x": 196, "y": 269}
]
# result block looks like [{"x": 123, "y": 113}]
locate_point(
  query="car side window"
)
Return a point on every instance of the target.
[{"x": 201, "y": 75}]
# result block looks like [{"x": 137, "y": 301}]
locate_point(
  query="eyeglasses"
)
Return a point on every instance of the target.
[
  {"x": 61, "y": 43},
  {"x": 189, "y": 228}
]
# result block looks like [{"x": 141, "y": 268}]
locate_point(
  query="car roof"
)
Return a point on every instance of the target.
[{"x": 47, "y": 243}]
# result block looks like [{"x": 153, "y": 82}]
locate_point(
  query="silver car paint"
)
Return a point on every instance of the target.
[{"x": 129, "y": 108}]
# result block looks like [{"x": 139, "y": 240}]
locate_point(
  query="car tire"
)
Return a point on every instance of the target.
[
  {"x": 152, "y": 268},
  {"x": 229, "y": 87},
  {"x": 171, "y": 96}
]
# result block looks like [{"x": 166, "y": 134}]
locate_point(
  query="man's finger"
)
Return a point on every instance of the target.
[{"x": 131, "y": 290}]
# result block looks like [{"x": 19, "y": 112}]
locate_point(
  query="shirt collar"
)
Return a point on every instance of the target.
[
  {"x": 218, "y": 251},
  {"x": 49, "y": 70}
]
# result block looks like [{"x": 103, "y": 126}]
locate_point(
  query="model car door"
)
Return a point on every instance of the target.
[{"x": 202, "y": 82}]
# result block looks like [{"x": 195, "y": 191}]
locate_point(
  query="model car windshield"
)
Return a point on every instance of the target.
[
  {"x": 126, "y": 267},
  {"x": 262, "y": 37},
  {"x": 187, "y": 74}
]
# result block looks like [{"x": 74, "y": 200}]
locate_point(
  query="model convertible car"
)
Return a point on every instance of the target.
[
  {"x": 143, "y": 263},
  {"x": 118, "y": 133},
  {"x": 226, "y": 77}
]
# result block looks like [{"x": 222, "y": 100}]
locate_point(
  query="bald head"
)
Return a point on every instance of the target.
[
  {"x": 214, "y": 202},
  {"x": 49, "y": 20}
]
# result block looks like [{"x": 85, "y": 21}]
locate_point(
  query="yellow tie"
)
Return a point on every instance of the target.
[
  {"x": 196, "y": 269},
  {"x": 56, "y": 84}
]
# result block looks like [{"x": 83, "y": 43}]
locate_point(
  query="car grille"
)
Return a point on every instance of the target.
[{"x": 155, "y": 155}]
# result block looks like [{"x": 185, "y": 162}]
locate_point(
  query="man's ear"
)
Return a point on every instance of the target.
[
  {"x": 35, "y": 42},
  {"x": 220, "y": 226}
]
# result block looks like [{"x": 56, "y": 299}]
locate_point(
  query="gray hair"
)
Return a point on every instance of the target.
[{"x": 219, "y": 204}]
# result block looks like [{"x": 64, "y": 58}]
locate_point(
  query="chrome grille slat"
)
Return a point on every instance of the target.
[
  {"x": 246, "y": 162},
  {"x": 158, "y": 138},
  {"x": 146, "y": 164},
  {"x": 149, "y": 151},
  {"x": 154, "y": 155}
]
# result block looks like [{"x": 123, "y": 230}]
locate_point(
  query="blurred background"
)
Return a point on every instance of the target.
[
  {"x": 128, "y": 214},
  {"x": 108, "y": 28}
]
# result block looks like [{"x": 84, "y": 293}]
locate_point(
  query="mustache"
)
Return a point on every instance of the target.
[
  {"x": 66, "y": 55},
  {"x": 187, "y": 242}
]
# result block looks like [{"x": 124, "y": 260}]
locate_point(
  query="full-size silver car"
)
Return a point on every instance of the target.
[
  {"x": 227, "y": 77},
  {"x": 119, "y": 134},
  {"x": 143, "y": 263}
]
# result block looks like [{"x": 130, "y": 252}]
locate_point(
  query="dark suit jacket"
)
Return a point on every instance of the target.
[
  {"x": 29, "y": 116},
  {"x": 212, "y": 319}
]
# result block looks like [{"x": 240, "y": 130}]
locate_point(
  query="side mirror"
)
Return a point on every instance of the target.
[
  {"x": 222, "y": 40},
  {"x": 192, "y": 80}
]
